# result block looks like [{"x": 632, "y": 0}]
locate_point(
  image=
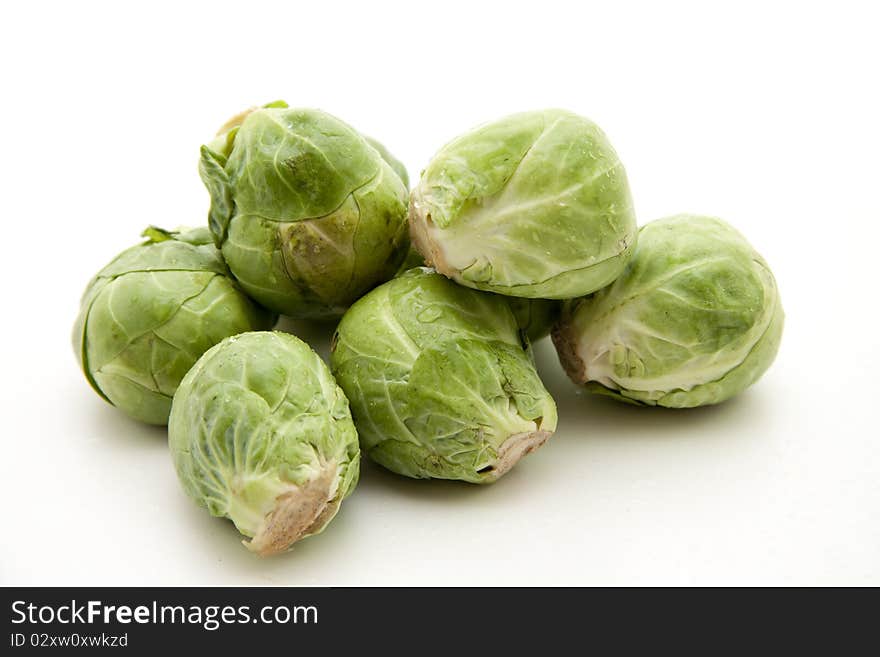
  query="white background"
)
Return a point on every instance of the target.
[{"x": 764, "y": 114}]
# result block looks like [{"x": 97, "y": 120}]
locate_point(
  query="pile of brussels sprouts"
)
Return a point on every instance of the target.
[{"x": 518, "y": 227}]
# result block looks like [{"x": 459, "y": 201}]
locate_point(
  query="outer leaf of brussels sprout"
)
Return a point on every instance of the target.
[
  {"x": 307, "y": 214},
  {"x": 439, "y": 382},
  {"x": 392, "y": 161},
  {"x": 151, "y": 312},
  {"x": 535, "y": 205},
  {"x": 261, "y": 434},
  {"x": 222, "y": 206},
  {"x": 694, "y": 319}
]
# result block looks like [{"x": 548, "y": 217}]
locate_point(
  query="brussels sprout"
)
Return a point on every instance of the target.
[
  {"x": 261, "y": 434},
  {"x": 149, "y": 314},
  {"x": 535, "y": 205},
  {"x": 694, "y": 319},
  {"x": 392, "y": 161},
  {"x": 439, "y": 382},
  {"x": 535, "y": 316},
  {"x": 307, "y": 214}
]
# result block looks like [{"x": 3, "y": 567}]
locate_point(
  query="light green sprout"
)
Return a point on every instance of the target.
[
  {"x": 535, "y": 205},
  {"x": 439, "y": 381},
  {"x": 261, "y": 434},
  {"x": 694, "y": 319},
  {"x": 149, "y": 314},
  {"x": 308, "y": 215}
]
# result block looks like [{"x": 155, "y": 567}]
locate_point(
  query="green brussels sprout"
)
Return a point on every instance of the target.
[
  {"x": 306, "y": 213},
  {"x": 694, "y": 319},
  {"x": 149, "y": 314},
  {"x": 439, "y": 382},
  {"x": 261, "y": 434},
  {"x": 535, "y": 205},
  {"x": 392, "y": 161}
]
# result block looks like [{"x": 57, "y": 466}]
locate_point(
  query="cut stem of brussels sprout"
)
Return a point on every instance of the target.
[
  {"x": 299, "y": 512},
  {"x": 513, "y": 449},
  {"x": 565, "y": 339},
  {"x": 420, "y": 227}
]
